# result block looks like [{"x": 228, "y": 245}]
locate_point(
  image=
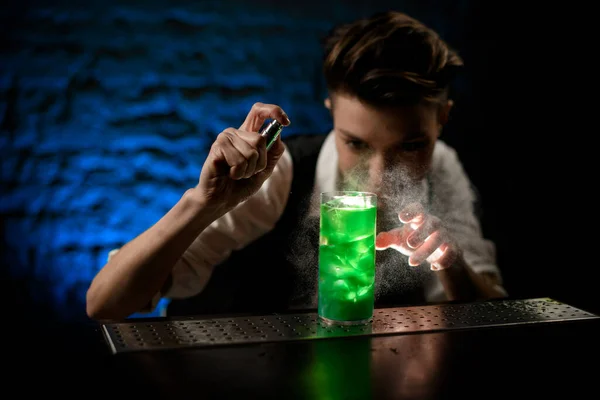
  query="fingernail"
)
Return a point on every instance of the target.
[
  {"x": 286, "y": 120},
  {"x": 412, "y": 241}
]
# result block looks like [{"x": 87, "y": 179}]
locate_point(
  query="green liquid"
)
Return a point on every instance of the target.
[{"x": 347, "y": 262}]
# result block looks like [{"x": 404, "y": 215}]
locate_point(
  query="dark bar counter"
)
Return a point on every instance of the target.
[{"x": 529, "y": 348}]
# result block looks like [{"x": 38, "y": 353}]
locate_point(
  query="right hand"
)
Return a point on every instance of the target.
[{"x": 238, "y": 162}]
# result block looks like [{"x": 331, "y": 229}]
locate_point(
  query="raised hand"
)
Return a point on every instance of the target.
[
  {"x": 238, "y": 162},
  {"x": 422, "y": 237}
]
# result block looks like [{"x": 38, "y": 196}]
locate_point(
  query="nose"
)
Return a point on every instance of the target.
[{"x": 377, "y": 166}]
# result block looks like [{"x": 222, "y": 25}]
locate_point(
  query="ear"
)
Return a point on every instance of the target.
[
  {"x": 444, "y": 114},
  {"x": 327, "y": 103}
]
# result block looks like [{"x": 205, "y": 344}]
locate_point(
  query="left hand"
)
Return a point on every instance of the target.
[{"x": 422, "y": 238}]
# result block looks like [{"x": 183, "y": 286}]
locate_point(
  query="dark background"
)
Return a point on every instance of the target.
[{"x": 107, "y": 110}]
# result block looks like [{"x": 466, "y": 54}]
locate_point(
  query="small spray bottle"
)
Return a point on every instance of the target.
[{"x": 271, "y": 131}]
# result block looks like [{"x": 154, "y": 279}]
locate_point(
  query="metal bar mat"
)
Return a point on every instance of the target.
[{"x": 202, "y": 331}]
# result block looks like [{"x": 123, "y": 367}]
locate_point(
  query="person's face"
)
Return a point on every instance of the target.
[{"x": 382, "y": 150}]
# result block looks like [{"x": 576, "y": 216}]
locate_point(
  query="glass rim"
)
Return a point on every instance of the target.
[{"x": 348, "y": 193}]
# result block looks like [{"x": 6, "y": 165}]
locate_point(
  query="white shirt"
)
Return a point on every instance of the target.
[{"x": 256, "y": 216}]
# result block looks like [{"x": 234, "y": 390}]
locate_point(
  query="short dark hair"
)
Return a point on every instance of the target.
[{"x": 389, "y": 58}]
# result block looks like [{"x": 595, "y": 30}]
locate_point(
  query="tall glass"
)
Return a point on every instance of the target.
[{"x": 347, "y": 257}]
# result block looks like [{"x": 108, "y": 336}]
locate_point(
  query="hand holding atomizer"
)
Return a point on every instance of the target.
[{"x": 241, "y": 160}]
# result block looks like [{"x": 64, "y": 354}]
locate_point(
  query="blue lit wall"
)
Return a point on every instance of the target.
[{"x": 107, "y": 111}]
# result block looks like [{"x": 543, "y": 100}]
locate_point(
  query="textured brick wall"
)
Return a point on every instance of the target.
[{"x": 107, "y": 110}]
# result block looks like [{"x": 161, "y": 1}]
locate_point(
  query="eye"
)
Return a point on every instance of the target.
[
  {"x": 414, "y": 146},
  {"x": 356, "y": 145}
]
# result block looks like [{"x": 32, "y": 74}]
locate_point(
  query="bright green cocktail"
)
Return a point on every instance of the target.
[{"x": 347, "y": 257}]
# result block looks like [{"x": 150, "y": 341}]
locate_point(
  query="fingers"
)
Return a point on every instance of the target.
[
  {"x": 422, "y": 238},
  {"x": 258, "y": 143},
  {"x": 274, "y": 155},
  {"x": 413, "y": 214},
  {"x": 426, "y": 249},
  {"x": 429, "y": 240},
  {"x": 443, "y": 257},
  {"x": 385, "y": 240},
  {"x": 243, "y": 152},
  {"x": 422, "y": 230},
  {"x": 394, "y": 239},
  {"x": 261, "y": 112}
]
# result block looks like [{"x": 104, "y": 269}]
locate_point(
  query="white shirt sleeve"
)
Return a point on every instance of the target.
[
  {"x": 244, "y": 224},
  {"x": 453, "y": 202}
]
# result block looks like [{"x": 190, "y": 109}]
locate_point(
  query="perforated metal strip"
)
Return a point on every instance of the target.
[{"x": 198, "y": 331}]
